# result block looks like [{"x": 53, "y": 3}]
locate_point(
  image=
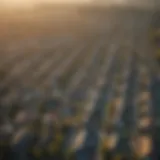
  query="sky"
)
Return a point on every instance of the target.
[{"x": 32, "y": 2}]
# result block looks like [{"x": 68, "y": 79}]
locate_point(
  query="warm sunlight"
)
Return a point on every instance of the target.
[
  {"x": 33, "y": 2},
  {"x": 19, "y": 3}
]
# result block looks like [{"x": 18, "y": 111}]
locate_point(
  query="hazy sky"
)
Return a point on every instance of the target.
[
  {"x": 25, "y": 2},
  {"x": 31, "y": 2}
]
